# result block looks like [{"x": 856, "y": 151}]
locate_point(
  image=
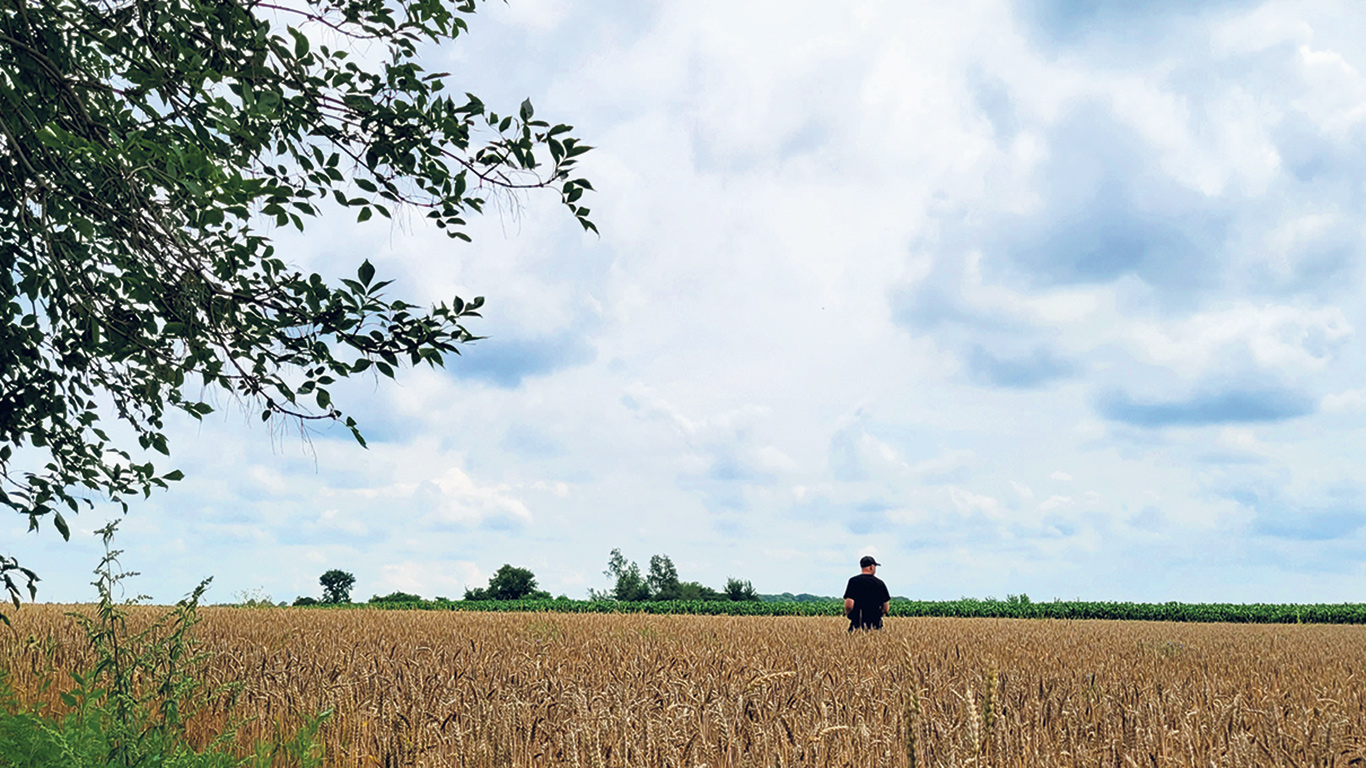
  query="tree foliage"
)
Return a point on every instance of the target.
[
  {"x": 146, "y": 148},
  {"x": 509, "y": 583},
  {"x": 740, "y": 590},
  {"x": 628, "y": 585},
  {"x": 692, "y": 590},
  {"x": 661, "y": 584},
  {"x": 337, "y": 585},
  {"x": 663, "y": 578},
  {"x": 397, "y": 596}
]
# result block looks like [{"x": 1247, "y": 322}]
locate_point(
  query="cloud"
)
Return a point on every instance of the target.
[
  {"x": 454, "y": 499},
  {"x": 430, "y": 578},
  {"x": 1035, "y": 369},
  {"x": 1133, "y": 25},
  {"x": 1310, "y": 524},
  {"x": 506, "y": 362},
  {"x": 531, "y": 441},
  {"x": 1347, "y": 401},
  {"x": 333, "y": 519},
  {"x": 1221, "y": 407},
  {"x": 969, "y": 503},
  {"x": 1055, "y": 502},
  {"x": 1105, "y": 212},
  {"x": 1275, "y": 337},
  {"x": 948, "y": 462}
]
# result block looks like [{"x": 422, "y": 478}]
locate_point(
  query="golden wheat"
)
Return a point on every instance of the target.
[{"x": 594, "y": 691}]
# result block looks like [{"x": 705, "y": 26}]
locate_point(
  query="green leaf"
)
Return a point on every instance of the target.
[
  {"x": 527, "y": 110},
  {"x": 366, "y": 272},
  {"x": 59, "y": 523},
  {"x": 300, "y": 43}
]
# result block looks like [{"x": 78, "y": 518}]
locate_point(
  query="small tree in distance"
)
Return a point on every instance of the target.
[
  {"x": 337, "y": 586},
  {"x": 740, "y": 590},
  {"x": 509, "y": 583},
  {"x": 663, "y": 578},
  {"x": 629, "y": 585},
  {"x": 397, "y": 597}
]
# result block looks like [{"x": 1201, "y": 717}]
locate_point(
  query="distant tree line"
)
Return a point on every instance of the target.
[
  {"x": 662, "y": 583},
  {"x": 512, "y": 583}
]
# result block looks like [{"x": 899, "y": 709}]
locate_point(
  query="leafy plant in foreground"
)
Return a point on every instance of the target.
[{"x": 131, "y": 708}]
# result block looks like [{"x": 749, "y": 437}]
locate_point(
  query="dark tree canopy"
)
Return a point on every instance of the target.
[
  {"x": 397, "y": 596},
  {"x": 628, "y": 584},
  {"x": 662, "y": 583},
  {"x": 147, "y": 148},
  {"x": 336, "y": 586},
  {"x": 508, "y": 583},
  {"x": 663, "y": 578},
  {"x": 740, "y": 589}
]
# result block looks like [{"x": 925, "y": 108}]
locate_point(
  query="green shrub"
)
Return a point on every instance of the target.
[{"x": 397, "y": 597}]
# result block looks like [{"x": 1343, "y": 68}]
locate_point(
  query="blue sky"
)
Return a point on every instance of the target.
[{"x": 1044, "y": 297}]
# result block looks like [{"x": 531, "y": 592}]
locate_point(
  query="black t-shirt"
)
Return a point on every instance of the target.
[{"x": 868, "y": 593}]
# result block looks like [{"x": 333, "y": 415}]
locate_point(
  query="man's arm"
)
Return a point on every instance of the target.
[
  {"x": 848, "y": 605},
  {"x": 886, "y": 607}
]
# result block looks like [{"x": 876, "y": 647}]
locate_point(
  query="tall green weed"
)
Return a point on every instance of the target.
[{"x": 131, "y": 709}]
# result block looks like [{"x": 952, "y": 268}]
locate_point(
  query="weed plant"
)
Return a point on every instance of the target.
[{"x": 130, "y": 709}]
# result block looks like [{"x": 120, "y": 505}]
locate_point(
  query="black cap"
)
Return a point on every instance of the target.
[{"x": 867, "y": 560}]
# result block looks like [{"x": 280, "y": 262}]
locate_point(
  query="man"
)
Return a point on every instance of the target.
[{"x": 866, "y": 599}]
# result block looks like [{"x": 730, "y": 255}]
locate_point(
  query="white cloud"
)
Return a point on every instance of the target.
[
  {"x": 461, "y": 501},
  {"x": 331, "y": 518},
  {"x": 969, "y": 503},
  {"x": 1337, "y": 92},
  {"x": 946, "y": 462},
  {"x": 1243, "y": 440},
  {"x": 561, "y": 490},
  {"x": 430, "y": 578},
  {"x": 1347, "y": 401},
  {"x": 1055, "y": 502},
  {"x": 1278, "y": 337}
]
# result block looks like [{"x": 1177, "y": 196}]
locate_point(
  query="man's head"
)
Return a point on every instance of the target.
[{"x": 868, "y": 564}]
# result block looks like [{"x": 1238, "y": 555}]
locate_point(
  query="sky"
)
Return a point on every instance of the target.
[{"x": 1039, "y": 297}]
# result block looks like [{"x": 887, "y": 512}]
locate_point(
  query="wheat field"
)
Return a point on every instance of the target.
[{"x": 592, "y": 691}]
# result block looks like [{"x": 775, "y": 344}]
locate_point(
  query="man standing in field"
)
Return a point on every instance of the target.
[{"x": 866, "y": 599}]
